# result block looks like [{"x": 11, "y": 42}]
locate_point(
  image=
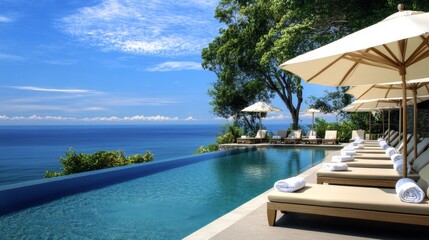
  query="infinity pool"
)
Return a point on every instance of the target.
[{"x": 167, "y": 205}]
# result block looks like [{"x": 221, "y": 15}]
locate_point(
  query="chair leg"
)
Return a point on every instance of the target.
[{"x": 271, "y": 214}]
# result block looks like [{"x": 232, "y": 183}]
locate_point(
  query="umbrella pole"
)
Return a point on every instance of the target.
[
  {"x": 383, "y": 120},
  {"x": 369, "y": 125},
  {"x": 415, "y": 122},
  {"x": 312, "y": 123},
  {"x": 388, "y": 125},
  {"x": 404, "y": 121}
]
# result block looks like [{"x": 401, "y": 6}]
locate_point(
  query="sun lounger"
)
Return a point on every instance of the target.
[
  {"x": 260, "y": 137},
  {"x": 382, "y": 154},
  {"x": 357, "y": 134},
  {"x": 377, "y": 177},
  {"x": 294, "y": 137},
  {"x": 373, "y": 163},
  {"x": 311, "y": 138},
  {"x": 378, "y": 149},
  {"x": 279, "y": 137},
  {"x": 330, "y": 137},
  {"x": 379, "y": 204}
]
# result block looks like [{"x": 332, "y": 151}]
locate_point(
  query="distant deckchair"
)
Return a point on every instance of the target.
[
  {"x": 294, "y": 137},
  {"x": 368, "y": 203},
  {"x": 260, "y": 137},
  {"x": 330, "y": 137},
  {"x": 357, "y": 134},
  {"x": 279, "y": 137},
  {"x": 311, "y": 138}
]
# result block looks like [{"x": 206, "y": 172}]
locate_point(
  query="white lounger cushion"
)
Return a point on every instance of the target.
[{"x": 362, "y": 198}]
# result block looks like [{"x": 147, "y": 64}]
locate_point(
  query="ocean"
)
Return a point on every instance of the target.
[{"x": 27, "y": 151}]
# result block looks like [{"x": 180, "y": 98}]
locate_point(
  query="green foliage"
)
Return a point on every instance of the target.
[
  {"x": 344, "y": 128},
  {"x": 81, "y": 162},
  {"x": 229, "y": 133},
  {"x": 205, "y": 149}
]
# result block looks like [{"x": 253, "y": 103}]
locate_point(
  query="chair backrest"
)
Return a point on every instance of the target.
[
  {"x": 261, "y": 134},
  {"x": 331, "y": 134},
  {"x": 423, "y": 182},
  {"x": 421, "y": 147},
  {"x": 298, "y": 133},
  {"x": 281, "y": 133},
  {"x": 312, "y": 133},
  {"x": 421, "y": 161},
  {"x": 401, "y": 143},
  {"x": 358, "y": 134}
]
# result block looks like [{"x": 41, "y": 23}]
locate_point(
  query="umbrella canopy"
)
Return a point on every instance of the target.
[
  {"x": 419, "y": 91},
  {"x": 261, "y": 107},
  {"x": 312, "y": 111},
  {"x": 395, "y": 49}
]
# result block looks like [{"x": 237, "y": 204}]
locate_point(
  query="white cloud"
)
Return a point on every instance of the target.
[
  {"x": 168, "y": 27},
  {"x": 31, "y": 88},
  {"x": 90, "y": 119},
  {"x": 175, "y": 66},
  {"x": 4, "y": 19},
  {"x": 190, "y": 119},
  {"x": 36, "y": 117},
  {"x": 9, "y": 57}
]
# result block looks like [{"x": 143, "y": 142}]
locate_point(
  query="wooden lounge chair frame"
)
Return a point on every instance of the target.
[
  {"x": 256, "y": 139},
  {"x": 309, "y": 140},
  {"x": 352, "y": 208},
  {"x": 294, "y": 137},
  {"x": 273, "y": 207},
  {"x": 282, "y": 134},
  {"x": 330, "y": 137}
]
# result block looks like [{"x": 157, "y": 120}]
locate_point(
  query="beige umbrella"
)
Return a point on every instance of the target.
[
  {"x": 419, "y": 91},
  {"x": 312, "y": 111},
  {"x": 374, "y": 105},
  {"x": 395, "y": 49},
  {"x": 261, "y": 107}
]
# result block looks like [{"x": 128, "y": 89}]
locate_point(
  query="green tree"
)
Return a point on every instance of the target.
[{"x": 259, "y": 35}]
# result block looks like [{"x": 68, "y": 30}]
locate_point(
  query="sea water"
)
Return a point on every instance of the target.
[{"x": 26, "y": 152}]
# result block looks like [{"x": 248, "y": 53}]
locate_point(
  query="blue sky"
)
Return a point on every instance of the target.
[{"x": 108, "y": 61}]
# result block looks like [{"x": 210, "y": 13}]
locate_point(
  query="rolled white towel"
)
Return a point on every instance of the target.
[
  {"x": 243, "y": 136},
  {"x": 359, "y": 146},
  {"x": 408, "y": 191},
  {"x": 390, "y": 151},
  {"x": 355, "y": 143},
  {"x": 339, "y": 159},
  {"x": 348, "y": 147},
  {"x": 396, "y": 157},
  {"x": 399, "y": 166},
  {"x": 360, "y": 141},
  {"x": 385, "y": 146},
  {"x": 381, "y": 142},
  {"x": 348, "y": 152},
  {"x": 380, "y": 139},
  {"x": 335, "y": 166},
  {"x": 290, "y": 184}
]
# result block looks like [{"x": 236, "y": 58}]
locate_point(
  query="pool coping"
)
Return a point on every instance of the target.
[{"x": 215, "y": 227}]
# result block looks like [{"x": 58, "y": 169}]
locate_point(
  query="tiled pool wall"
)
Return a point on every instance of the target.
[{"x": 19, "y": 196}]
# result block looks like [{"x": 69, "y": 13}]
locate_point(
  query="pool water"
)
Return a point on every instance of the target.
[{"x": 167, "y": 205}]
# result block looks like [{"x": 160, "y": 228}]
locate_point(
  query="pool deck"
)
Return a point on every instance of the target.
[{"x": 249, "y": 221}]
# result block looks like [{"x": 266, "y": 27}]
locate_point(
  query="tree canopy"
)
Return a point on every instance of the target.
[{"x": 260, "y": 35}]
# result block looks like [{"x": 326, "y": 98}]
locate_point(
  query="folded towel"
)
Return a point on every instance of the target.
[
  {"x": 396, "y": 157},
  {"x": 348, "y": 152},
  {"x": 277, "y": 137},
  {"x": 290, "y": 184},
  {"x": 359, "y": 146},
  {"x": 339, "y": 159},
  {"x": 399, "y": 166},
  {"x": 348, "y": 148},
  {"x": 335, "y": 166},
  {"x": 390, "y": 151},
  {"x": 408, "y": 191}
]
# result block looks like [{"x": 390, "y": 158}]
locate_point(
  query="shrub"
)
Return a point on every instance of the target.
[
  {"x": 81, "y": 162},
  {"x": 205, "y": 149}
]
